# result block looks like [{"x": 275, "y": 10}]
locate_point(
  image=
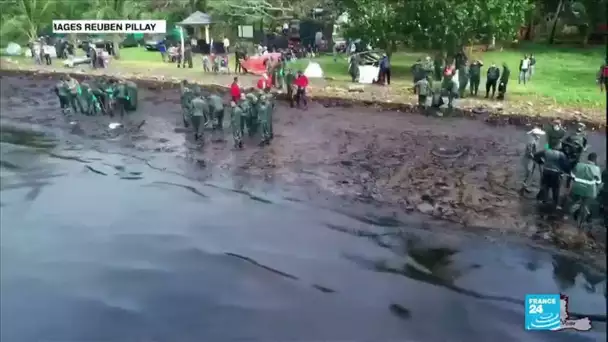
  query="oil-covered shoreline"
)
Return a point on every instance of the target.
[
  {"x": 461, "y": 171},
  {"x": 491, "y": 116}
]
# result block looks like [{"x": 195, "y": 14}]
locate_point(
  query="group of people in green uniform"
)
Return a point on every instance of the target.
[
  {"x": 251, "y": 113},
  {"x": 436, "y": 78},
  {"x": 107, "y": 96},
  {"x": 559, "y": 157}
]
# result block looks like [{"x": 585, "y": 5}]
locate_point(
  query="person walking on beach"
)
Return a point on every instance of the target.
[
  {"x": 186, "y": 102},
  {"x": 216, "y": 107},
  {"x": 62, "y": 92},
  {"x": 198, "y": 115},
  {"x": 264, "y": 116},
  {"x": 554, "y": 163},
  {"x": 236, "y": 114}
]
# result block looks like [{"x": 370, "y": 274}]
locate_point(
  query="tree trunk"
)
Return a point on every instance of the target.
[
  {"x": 555, "y": 20},
  {"x": 117, "y": 40},
  {"x": 584, "y": 32},
  {"x": 530, "y": 28}
]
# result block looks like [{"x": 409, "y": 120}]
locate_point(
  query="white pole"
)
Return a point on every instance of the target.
[
  {"x": 207, "y": 34},
  {"x": 181, "y": 37}
]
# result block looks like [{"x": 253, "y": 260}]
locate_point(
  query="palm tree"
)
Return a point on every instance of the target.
[{"x": 26, "y": 17}]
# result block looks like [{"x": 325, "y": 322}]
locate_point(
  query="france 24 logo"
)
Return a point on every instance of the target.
[{"x": 543, "y": 312}]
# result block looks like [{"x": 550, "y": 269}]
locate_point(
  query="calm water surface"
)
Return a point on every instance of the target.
[{"x": 101, "y": 247}]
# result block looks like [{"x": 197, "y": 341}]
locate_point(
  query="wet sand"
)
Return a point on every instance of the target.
[{"x": 459, "y": 170}]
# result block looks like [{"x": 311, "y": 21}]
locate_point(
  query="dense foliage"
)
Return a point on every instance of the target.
[{"x": 446, "y": 24}]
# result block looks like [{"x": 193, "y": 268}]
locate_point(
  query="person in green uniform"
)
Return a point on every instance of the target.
[
  {"x": 573, "y": 146},
  {"x": 417, "y": 71},
  {"x": 587, "y": 183},
  {"x": 252, "y": 100},
  {"x": 186, "y": 102},
  {"x": 110, "y": 94},
  {"x": 423, "y": 89},
  {"x": 427, "y": 68},
  {"x": 90, "y": 104},
  {"x": 289, "y": 78},
  {"x": 216, "y": 106},
  {"x": 186, "y": 57},
  {"x": 198, "y": 115},
  {"x": 263, "y": 110},
  {"x": 554, "y": 163},
  {"x": 206, "y": 119},
  {"x": 73, "y": 95},
  {"x": 236, "y": 115},
  {"x": 463, "y": 80},
  {"x": 98, "y": 87},
  {"x": 132, "y": 96},
  {"x": 246, "y": 114},
  {"x": 475, "y": 76},
  {"x": 353, "y": 68},
  {"x": 62, "y": 92},
  {"x": 122, "y": 98},
  {"x": 555, "y": 134},
  {"x": 504, "y": 81}
]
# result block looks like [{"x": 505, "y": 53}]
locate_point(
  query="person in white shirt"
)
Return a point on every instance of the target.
[
  {"x": 524, "y": 65},
  {"x": 226, "y": 44},
  {"x": 46, "y": 51}
]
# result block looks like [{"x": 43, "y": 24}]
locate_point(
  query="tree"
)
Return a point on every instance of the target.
[
  {"x": 25, "y": 18},
  {"x": 441, "y": 24},
  {"x": 380, "y": 22}
]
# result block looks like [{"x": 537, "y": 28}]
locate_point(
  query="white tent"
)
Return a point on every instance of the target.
[
  {"x": 368, "y": 74},
  {"x": 13, "y": 49},
  {"x": 313, "y": 70}
]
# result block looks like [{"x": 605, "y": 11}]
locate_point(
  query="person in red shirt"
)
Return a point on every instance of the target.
[
  {"x": 235, "y": 90},
  {"x": 301, "y": 82},
  {"x": 264, "y": 82}
]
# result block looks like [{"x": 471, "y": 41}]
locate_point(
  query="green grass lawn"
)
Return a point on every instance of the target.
[{"x": 565, "y": 77}]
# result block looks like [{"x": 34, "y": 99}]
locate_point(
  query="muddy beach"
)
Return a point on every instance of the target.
[
  {"x": 459, "y": 170},
  {"x": 141, "y": 234}
]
